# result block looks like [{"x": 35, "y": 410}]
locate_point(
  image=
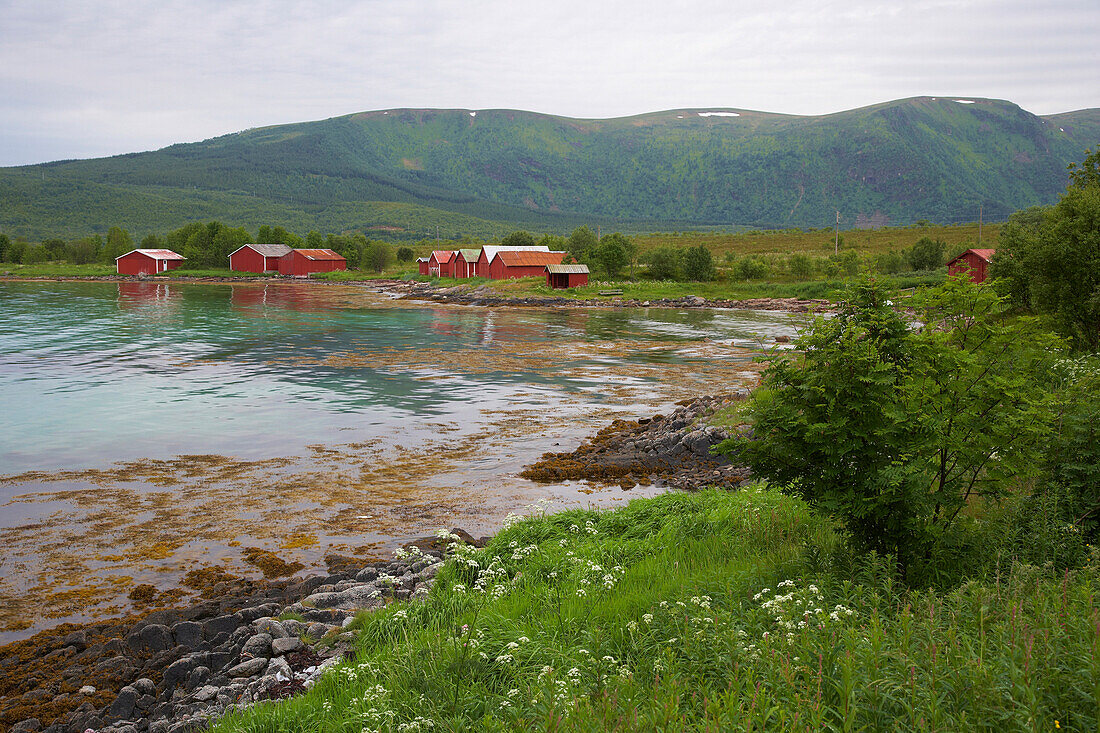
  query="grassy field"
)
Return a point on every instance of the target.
[
  {"x": 708, "y": 611},
  {"x": 56, "y": 269},
  {"x": 820, "y": 243}
]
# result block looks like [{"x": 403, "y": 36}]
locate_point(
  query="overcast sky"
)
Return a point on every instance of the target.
[{"x": 84, "y": 79}]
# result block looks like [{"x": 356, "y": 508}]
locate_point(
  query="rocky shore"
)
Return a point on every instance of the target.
[
  {"x": 483, "y": 296},
  {"x": 673, "y": 449},
  {"x": 174, "y": 669}
]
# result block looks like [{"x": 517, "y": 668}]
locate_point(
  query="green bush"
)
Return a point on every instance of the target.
[
  {"x": 801, "y": 266},
  {"x": 896, "y": 429},
  {"x": 405, "y": 254},
  {"x": 664, "y": 263},
  {"x": 698, "y": 264},
  {"x": 751, "y": 268},
  {"x": 926, "y": 254}
]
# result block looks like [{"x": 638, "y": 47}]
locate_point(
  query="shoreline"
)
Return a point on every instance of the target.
[
  {"x": 181, "y": 664},
  {"x": 480, "y": 296}
]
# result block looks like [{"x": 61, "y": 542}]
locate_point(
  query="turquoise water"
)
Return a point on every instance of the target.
[{"x": 325, "y": 419}]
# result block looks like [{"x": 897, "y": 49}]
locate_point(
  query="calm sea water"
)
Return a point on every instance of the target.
[{"x": 361, "y": 395}]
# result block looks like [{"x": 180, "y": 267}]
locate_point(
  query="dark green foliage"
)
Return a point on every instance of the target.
[
  {"x": 118, "y": 243},
  {"x": 519, "y": 239},
  {"x": 581, "y": 243},
  {"x": 36, "y": 254},
  {"x": 664, "y": 263},
  {"x": 206, "y": 245},
  {"x": 314, "y": 240},
  {"x": 896, "y": 429},
  {"x": 926, "y": 254},
  {"x": 751, "y": 268},
  {"x": 152, "y": 241},
  {"x": 55, "y": 248},
  {"x": 16, "y": 251},
  {"x": 82, "y": 252},
  {"x": 405, "y": 254},
  {"x": 890, "y": 263},
  {"x": 376, "y": 256},
  {"x": 698, "y": 264},
  {"x": 1073, "y": 460},
  {"x": 5, "y": 244},
  {"x": 801, "y": 266},
  {"x": 611, "y": 254},
  {"x": 1049, "y": 261}
]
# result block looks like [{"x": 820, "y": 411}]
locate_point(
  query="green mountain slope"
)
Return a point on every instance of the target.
[{"x": 921, "y": 158}]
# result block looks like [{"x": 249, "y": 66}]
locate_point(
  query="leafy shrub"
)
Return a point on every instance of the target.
[
  {"x": 698, "y": 264},
  {"x": 926, "y": 254},
  {"x": 664, "y": 263},
  {"x": 896, "y": 429},
  {"x": 801, "y": 266},
  {"x": 405, "y": 254},
  {"x": 751, "y": 268}
]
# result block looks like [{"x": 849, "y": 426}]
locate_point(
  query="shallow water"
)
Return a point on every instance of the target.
[{"x": 151, "y": 428}]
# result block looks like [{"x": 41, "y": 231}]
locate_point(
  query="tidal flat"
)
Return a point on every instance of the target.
[{"x": 156, "y": 429}]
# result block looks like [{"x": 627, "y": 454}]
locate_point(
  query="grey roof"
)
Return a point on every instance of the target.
[
  {"x": 567, "y": 269},
  {"x": 269, "y": 250}
]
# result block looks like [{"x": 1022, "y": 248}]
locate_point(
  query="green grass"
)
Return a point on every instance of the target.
[
  {"x": 707, "y": 611},
  {"x": 57, "y": 269},
  {"x": 214, "y": 272}
]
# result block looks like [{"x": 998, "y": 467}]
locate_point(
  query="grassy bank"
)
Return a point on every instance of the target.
[{"x": 708, "y": 611}]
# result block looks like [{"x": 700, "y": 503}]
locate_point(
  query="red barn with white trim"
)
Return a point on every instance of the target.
[
  {"x": 147, "y": 261},
  {"x": 422, "y": 265},
  {"x": 257, "y": 257},
  {"x": 974, "y": 261},
  {"x": 508, "y": 265},
  {"x": 465, "y": 263},
  {"x": 441, "y": 263},
  {"x": 305, "y": 262}
]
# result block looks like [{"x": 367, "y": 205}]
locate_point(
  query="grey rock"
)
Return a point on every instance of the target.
[
  {"x": 87, "y": 690},
  {"x": 247, "y": 668},
  {"x": 124, "y": 704},
  {"x": 257, "y": 645},
  {"x": 155, "y": 637},
  {"x": 188, "y": 633},
  {"x": 278, "y": 668},
  {"x": 159, "y": 726},
  {"x": 293, "y": 627},
  {"x": 145, "y": 702},
  {"x": 24, "y": 726},
  {"x": 198, "y": 677},
  {"x": 205, "y": 693},
  {"x": 366, "y": 575},
  {"x": 317, "y": 630},
  {"x": 77, "y": 639},
  {"x": 256, "y": 612},
  {"x": 221, "y": 624},
  {"x": 362, "y": 596},
  {"x": 271, "y": 626},
  {"x": 144, "y": 686},
  {"x": 290, "y": 644}
]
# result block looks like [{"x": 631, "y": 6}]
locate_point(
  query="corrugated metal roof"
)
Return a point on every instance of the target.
[
  {"x": 269, "y": 250},
  {"x": 319, "y": 254},
  {"x": 491, "y": 250},
  {"x": 567, "y": 269},
  {"x": 443, "y": 256},
  {"x": 985, "y": 254},
  {"x": 157, "y": 254},
  {"x": 470, "y": 255},
  {"x": 521, "y": 259}
]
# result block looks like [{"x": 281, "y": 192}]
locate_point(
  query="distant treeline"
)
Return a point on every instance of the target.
[{"x": 208, "y": 245}]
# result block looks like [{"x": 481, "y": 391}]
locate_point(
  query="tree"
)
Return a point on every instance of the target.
[
  {"x": 119, "y": 243},
  {"x": 1049, "y": 260},
  {"x": 664, "y": 263},
  {"x": 610, "y": 254},
  {"x": 55, "y": 249},
  {"x": 894, "y": 429},
  {"x": 926, "y": 254},
  {"x": 314, "y": 240},
  {"x": 405, "y": 254},
  {"x": 376, "y": 256},
  {"x": 751, "y": 268},
  {"x": 581, "y": 243},
  {"x": 5, "y": 244},
  {"x": 152, "y": 241},
  {"x": 519, "y": 239},
  {"x": 698, "y": 264},
  {"x": 801, "y": 266},
  {"x": 82, "y": 252}
]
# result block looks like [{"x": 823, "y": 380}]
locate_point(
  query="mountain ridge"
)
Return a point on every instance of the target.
[{"x": 896, "y": 162}]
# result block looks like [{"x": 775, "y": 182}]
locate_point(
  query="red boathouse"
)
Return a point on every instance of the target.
[
  {"x": 490, "y": 251},
  {"x": 441, "y": 262},
  {"x": 305, "y": 262},
  {"x": 507, "y": 265},
  {"x": 258, "y": 257},
  {"x": 465, "y": 263},
  {"x": 148, "y": 261},
  {"x": 422, "y": 265},
  {"x": 973, "y": 260},
  {"x": 566, "y": 276}
]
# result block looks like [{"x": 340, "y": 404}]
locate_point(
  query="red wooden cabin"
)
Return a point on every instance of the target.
[
  {"x": 304, "y": 262},
  {"x": 148, "y": 261},
  {"x": 465, "y": 263},
  {"x": 973, "y": 260},
  {"x": 489, "y": 253},
  {"x": 508, "y": 265},
  {"x": 422, "y": 265},
  {"x": 257, "y": 257},
  {"x": 566, "y": 276},
  {"x": 440, "y": 263}
]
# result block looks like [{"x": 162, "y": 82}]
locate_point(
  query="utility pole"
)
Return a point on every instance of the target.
[
  {"x": 836, "y": 243},
  {"x": 599, "y": 236},
  {"x": 981, "y": 207}
]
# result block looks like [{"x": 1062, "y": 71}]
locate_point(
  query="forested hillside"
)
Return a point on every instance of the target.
[{"x": 407, "y": 172}]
